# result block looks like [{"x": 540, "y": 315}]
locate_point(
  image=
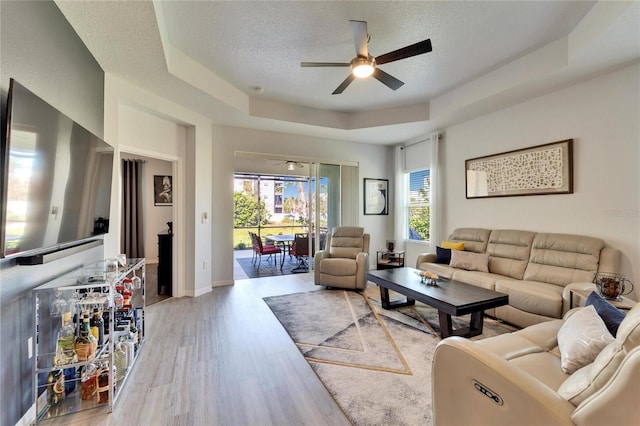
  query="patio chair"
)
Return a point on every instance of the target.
[
  {"x": 261, "y": 249},
  {"x": 300, "y": 249}
]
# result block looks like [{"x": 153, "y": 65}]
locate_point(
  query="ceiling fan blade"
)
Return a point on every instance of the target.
[
  {"x": 360, "y": 38},
  {"x": 405, "y": 52},
  {"x": 325, "y": 64},
  {"x": 347, "y": 81},
  {"x": 387, "y": 79}
]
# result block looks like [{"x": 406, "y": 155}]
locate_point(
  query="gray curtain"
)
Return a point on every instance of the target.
[{"x": 132, "y": 241}]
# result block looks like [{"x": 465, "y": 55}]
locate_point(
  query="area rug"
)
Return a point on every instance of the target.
[
  {"x": 267, "y": 267},
  {"x": 375, "y": 363}
]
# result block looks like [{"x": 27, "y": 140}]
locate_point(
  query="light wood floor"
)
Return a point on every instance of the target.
[
  {"x": 152, "y": 295},
  {"x": 220, "y": 359}
]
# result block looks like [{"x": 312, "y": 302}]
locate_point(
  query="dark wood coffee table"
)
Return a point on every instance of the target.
[{"x": 448, "y": 297}]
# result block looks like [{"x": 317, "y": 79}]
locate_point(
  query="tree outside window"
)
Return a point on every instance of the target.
[{"x": 419, "y": 205}]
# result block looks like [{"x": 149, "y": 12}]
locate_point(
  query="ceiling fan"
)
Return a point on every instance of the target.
[{"x": 365, "y": 65}]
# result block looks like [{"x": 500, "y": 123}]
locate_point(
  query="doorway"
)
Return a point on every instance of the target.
[
  {"x": 157, "y": 214},
  {"x": 279, "y": 208}
]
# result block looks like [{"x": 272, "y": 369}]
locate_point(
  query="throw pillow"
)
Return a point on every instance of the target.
[
  {"x": 581, "y": 338},
  {"x": 470, "y": 261},
  {"x": 443, "y": 255},
  {"x": 611, "y": 315},
  {"x": 452, "y": 245}
]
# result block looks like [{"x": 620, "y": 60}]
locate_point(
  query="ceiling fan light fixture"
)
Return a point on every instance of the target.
[
  {"x": 363, "y": 67},
  {"x": 291, "y": 166}
]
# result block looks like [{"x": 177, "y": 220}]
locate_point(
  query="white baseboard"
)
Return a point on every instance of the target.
[{"x": 223, "y": 283}]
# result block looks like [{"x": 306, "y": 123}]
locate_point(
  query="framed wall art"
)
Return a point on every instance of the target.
[
  {"x": 376, "y": 196},
  {"x": 162, "y": 191},
  {"x": 538, "y": 170}
]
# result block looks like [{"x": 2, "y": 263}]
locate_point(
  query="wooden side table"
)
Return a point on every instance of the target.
[
  {"x": 390, "y": 259},
  {"x": 624, "y": 304}
]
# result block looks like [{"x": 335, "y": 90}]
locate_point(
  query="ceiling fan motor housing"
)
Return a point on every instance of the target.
[{"x": 363, "y": 67}]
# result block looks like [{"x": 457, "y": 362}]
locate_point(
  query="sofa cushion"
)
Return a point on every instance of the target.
[
  {"x": 611, "y": 315},
  {"x": 509, "y": 252},
  {"x": 346, "y": 241},
  {"x": 581, "y": 338},
  {"x": 589, "y": 379},
  {"x": 444, "y": 271},
  {"x": 544, "y": 366},
  {"x": 562, "y": 258},
  {"x": 533, "y": 297},
  {"x": 470, "y": 261},
  {"x": 544, "y": 334},
  {"x": 453, "y": 245},
  {"x": 510, "y": 346},
  {"x": 480, "y": 279},
  {"x": 338, "y": 267},
  {"x": 475, "y": 239},
  {"x": 443, "y": 255}
]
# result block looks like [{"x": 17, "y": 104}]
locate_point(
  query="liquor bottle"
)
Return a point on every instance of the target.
[
  {"x": 65, "y": 348},
  {"x": 103, "y": 383},
  {"x": 86, "y": 344},
  {"x": 97, "y": 326},
  {"x": 69, "y": 380},
  {"x": 133, "y": 333},
  {"x": 127, "y": 295},
  {"x": 89, "y": 384},
  {"x": 55, "y": 385},
  {"x": 120, "y": 362}
]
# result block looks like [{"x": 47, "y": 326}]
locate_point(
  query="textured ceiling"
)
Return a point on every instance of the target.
[
  {"x": 210, "y": 55},
  {"x": 261, "y": 44}
]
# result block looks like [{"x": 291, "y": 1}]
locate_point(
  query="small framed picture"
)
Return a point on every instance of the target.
[
  {"x": 163, "y": 190},
  {"x": 376, "y": 196}
]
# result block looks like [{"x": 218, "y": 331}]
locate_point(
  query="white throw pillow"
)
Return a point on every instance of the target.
[
  {"x": 469, "y": 261},
  {"x": 581, "y": 338}
]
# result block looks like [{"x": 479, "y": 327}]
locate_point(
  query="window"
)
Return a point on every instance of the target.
[{"x": 419, "y": 205}]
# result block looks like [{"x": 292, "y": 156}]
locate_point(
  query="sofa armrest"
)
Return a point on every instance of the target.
[
  {"x": 616, "y": 403},
  {"x": 425, "y": 257},
  {"x": 362, "y": 264},
  {"x": 461, "y": 368},
  {"x": 320, "y": 254}
]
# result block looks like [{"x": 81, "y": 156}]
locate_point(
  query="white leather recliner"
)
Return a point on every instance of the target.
[
  {"x": 516, "y": 379},
  {"x": 345, "y": 260}
]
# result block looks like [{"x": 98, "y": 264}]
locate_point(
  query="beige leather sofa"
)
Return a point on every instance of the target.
[
  {"x": 345, "y": 261},
  {"x": 516, "y": 379},
  {"x": 532, "y": 268}
]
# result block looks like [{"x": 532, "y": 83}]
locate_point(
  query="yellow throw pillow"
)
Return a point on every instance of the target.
[{"x": 451, "y": 245}]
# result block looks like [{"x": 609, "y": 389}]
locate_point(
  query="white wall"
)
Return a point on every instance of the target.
[
  {"x": 601, "y": 115},
  {"x": 141, "y": 122},
  {"x": 40, "y": 50},
  {"x": 374, "y": 162}
]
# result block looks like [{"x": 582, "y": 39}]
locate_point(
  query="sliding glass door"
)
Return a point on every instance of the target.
[
  {"x": 325, "y": 202},
  {"x": 284, "y": 205}
]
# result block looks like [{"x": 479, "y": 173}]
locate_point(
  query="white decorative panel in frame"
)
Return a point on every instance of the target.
[{"x": 538, "y": 170}]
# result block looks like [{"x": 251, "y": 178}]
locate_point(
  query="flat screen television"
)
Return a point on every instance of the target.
[{"x": 56, "y": 178}]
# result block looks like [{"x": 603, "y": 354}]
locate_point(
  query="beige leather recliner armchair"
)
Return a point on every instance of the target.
[
  {"x": 516, "y": 379},
  {"x": 345, "y": 260}
]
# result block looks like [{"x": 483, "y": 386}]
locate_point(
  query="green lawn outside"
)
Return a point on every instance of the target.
[{"x": 242, "y": 241}]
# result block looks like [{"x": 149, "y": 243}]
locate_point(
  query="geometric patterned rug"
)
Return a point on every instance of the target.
[{"x": 375, "y": 363}]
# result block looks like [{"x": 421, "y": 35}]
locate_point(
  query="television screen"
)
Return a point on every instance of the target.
[{"x": 56, "y": 177}]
